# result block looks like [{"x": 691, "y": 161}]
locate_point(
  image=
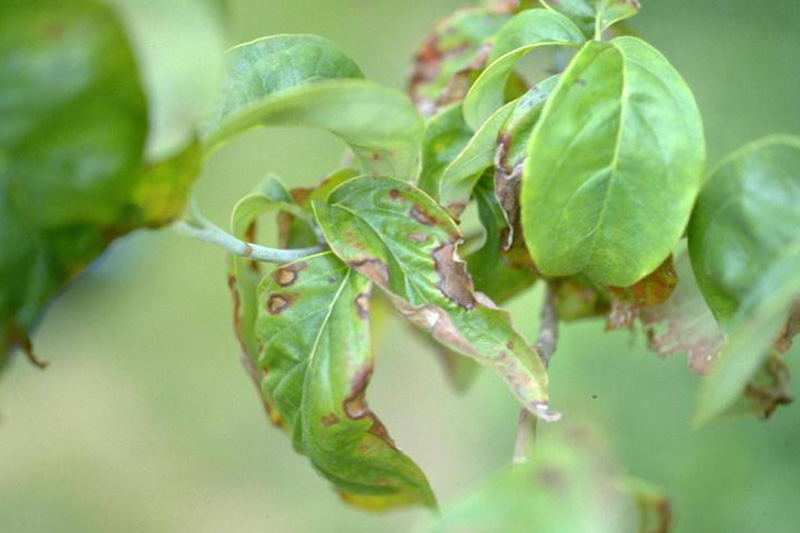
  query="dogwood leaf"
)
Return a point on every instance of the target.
[
  {"x": 402, "y": 240},
  {"x": 614, "y": 165}
]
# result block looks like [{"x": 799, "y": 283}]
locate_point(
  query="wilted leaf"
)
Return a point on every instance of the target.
[
  {"x": 313, "y": 324},
  {"x": 527, "y": 31},
  {"x": 614, "y": 165},
  {"x": 684, "y": 323},
  {"x": 759, "y": 324},
  {"x": 449, "y": 58},
  {"x": 652, "y": 290},
  {"x": 746, "y": 216},
  {"x": 407, "y": 244},
  {"x": 569, "y": 484},
  {"x": 298, "y": 80}
]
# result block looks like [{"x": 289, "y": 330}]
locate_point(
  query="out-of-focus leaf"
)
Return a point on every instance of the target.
[
  {"x": 569, "y": 484},
  {"x": 179, "y": 46},
  {"x": 684, "y": 323},
  {"x": 446, "y": 62},
  {"x": 302, "y": 80},
  {"x": 654, "y": 289},
  {"x": 72, "y": 133},
  {"x": 746, "y": 216},
  {"x": 313, "y": 324},
  {"x": 760, "y": 321},
  {"x": 614, "y": 165},
  {"x": 767, "y": 390},
  {"x": 401, "y": 239},
  {"x": 588, "y": 14},
  {"x": 527, "y": 31},
  {"x": 578, "y": 298}
]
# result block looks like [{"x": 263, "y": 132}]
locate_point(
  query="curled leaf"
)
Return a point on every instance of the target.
[
  {"x": 654, "y": 289},
  {"x": 305, "y": 81},
  {"x": 684, "y": 323},
  {"x": 316, "y": 364},
  {"x": 527, "y": 31},
  {"x": 450, "y": 57},
  {"x": 407, "y": 244}
]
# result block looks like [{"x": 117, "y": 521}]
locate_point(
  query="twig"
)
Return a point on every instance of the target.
[
  {"x": 200, "y": 228},
  {"x": 545, "y": 346}
]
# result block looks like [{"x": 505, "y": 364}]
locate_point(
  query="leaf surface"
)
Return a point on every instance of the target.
[
  {"x": 313, "y": 322},
  {"x": 589, "y": 14},
  {"x": 402, "y": 240},
  {"x": 526, "y": 31},
  {"x": 746, "y": 216},
  {"x": 302, "y": 80},
  {"x": 614, "y": 165}
]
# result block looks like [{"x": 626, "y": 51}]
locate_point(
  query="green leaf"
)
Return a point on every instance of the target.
[
  {"x": 569, "y": 484},
  {"x": 313, "y": 322},
  {"x": 760, "y": 321},
  {"x": 456, "y": 49},
  {"x": 70, "y": 152},
  {"x": 402, "y": 240},
  {"x": 446, "y": 136},
  {"x": 614, "y": 165},
  {"x": 302, "y": 80},
  {"x": 746, "y": 215},
  {"x": 244, "y": 274},
  {"x": 454, "y": 185},
  {"x": 589, "y": 14},
  {"x": 525, "y": 32}
]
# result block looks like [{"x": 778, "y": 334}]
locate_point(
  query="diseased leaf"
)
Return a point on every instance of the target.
[
  {"x": 746, "y": 216},
  {"x": 759, "y": 324},
  {"x": 654, "y": 289},
  {"x": 614, "y": 165},
  {"x": 526, "y": 31},
  {"x": 510, "y": 155},
  {"x": 500, "y": 274},
  {"x": 594, "y": 15},
  {"x": 684, "y": 323},
  {"x": 446, "y": 62},
  {"x": 305, "y": 81},
  {"x": 406, "y": 243},
  {"x": 569, "y": 484},
  {"x": 454, "y": 185},
  {"x": 313, "y": 324}
]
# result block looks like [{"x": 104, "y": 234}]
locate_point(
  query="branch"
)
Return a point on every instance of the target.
[
  {"x": 545, "y": 345},
  {"x": 200, "y": 228}
]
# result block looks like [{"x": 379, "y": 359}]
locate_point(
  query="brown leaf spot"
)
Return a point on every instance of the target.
[
  {"x": 455, "y": 282},
  {"x": 288, "y": 274},
  {"x": 421, "y": 216},
  {"x": 278, "y": 303},
  {"x": 395, "y": 195},
  {"x": 356, "y": 408},
  {"x": 362, "y": 305},
  {"x": 374, "y": 269},
  {"x": 329, "y": 420},
  {"x": 417, "y": 237}
]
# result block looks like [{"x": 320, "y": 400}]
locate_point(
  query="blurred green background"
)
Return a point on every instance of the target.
[{"x": 146, "y": 422}]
